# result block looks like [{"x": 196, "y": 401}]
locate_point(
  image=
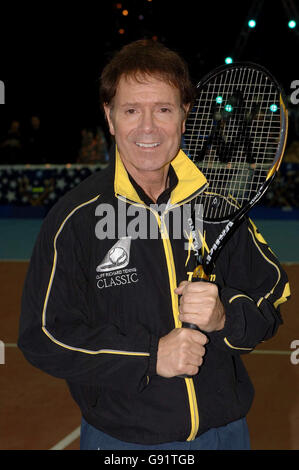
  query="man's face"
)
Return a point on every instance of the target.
[{"x": 147, "y": 120}]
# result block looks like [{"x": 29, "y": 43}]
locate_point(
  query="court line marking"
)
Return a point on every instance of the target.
[
  {"x": 67, "y": 440},
  {"x": 271, "y": 351}
]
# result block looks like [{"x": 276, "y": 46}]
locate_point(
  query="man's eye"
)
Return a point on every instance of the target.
[
  {"x": 165, "y": 110},
  {"x": 130, "y": 111}
]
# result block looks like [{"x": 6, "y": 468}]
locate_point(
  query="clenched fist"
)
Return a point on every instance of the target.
[
  {"x": 180, "y": 352},
  {"x": 200, "y": 304}
]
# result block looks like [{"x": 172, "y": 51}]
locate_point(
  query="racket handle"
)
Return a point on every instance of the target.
[
  {"x": 198, "y": 276},
  {"x": 190, "y": 325}
]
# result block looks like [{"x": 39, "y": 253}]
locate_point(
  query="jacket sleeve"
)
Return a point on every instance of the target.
[
  {"x": 255, "y": 287},
  {"x": 60, "y": 332}
]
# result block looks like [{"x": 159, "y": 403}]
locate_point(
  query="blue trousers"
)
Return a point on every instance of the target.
[{"x": 233, "y": 436}]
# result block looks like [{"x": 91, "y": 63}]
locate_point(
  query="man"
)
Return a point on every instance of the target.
[{"x": 103, "y": 308}]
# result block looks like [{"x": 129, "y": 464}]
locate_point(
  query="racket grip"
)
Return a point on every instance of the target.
[
  {"x": 190, "y": 325},
  {"x": 202, "y": 277},
  {"x": 198, "y": 276}
]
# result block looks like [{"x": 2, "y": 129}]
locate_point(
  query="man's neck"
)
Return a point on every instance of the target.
[{"x": 153, "y": 183}]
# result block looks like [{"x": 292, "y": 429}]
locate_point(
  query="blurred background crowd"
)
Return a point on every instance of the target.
[{"x": 25, "y": 142}]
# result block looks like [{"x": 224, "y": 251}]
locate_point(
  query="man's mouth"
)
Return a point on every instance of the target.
[{"x": 147, "y": 145}]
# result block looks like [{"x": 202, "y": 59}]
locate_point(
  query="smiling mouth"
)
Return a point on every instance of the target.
[{"x": 147, "y": 146}]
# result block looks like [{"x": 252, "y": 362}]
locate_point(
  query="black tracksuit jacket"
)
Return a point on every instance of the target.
[{"x": 94, "y": 309}]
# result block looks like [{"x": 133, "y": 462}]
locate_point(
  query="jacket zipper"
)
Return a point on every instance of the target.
[
  {"x": 194, "y": 416},
  {"x": 173, "y": 284}
]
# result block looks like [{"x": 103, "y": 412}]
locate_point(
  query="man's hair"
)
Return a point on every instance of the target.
[{"x": 144, "y": 58}]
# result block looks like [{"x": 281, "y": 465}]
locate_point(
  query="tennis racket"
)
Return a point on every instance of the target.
[{"x": 236, "y": 133}]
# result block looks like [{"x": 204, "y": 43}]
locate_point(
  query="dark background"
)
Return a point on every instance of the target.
[{"x": 52, "y": 55}]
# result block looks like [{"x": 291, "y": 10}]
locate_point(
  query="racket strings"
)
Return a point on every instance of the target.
[{"x": 232, "y": 133}]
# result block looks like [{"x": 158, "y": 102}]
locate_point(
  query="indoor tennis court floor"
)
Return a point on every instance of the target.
[{"x": 36, "y": 410}]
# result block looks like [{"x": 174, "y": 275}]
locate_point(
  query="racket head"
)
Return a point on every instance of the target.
[{"x": 236, "y": 133}]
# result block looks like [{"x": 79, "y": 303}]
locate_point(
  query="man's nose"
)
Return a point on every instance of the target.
[{"x": 147, "y": 123}]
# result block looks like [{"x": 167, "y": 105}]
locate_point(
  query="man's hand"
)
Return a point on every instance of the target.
[
  {"x": 180, "y": 352},
  {"x": 200, "y": 304}
]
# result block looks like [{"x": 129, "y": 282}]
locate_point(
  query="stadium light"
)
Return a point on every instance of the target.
[
  {"x": 292, "y": 24},
  {"x": 273, "y": 108},
  {"x": 228, "y": 108},
  {"x": 228, "y": 60},
  {"x": 252, "y": 23}
]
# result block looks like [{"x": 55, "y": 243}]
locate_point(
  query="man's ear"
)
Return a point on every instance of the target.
[
  {"x": 186, "y": 108},
  {"x": 108, "y": 112}
]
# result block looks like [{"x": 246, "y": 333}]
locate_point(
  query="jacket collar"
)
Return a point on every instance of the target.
[{"x": 190, "y": 180}]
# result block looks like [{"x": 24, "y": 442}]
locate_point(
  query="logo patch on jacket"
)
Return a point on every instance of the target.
[
  {"x": 117, "y": 257},
  {"x": 112, "y": 267}
]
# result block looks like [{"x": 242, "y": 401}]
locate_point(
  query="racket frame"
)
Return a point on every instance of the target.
[{"x": 236, "y": 219}]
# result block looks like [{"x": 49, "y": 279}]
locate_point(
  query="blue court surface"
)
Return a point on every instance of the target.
[{"x": 17, "y": 237}]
